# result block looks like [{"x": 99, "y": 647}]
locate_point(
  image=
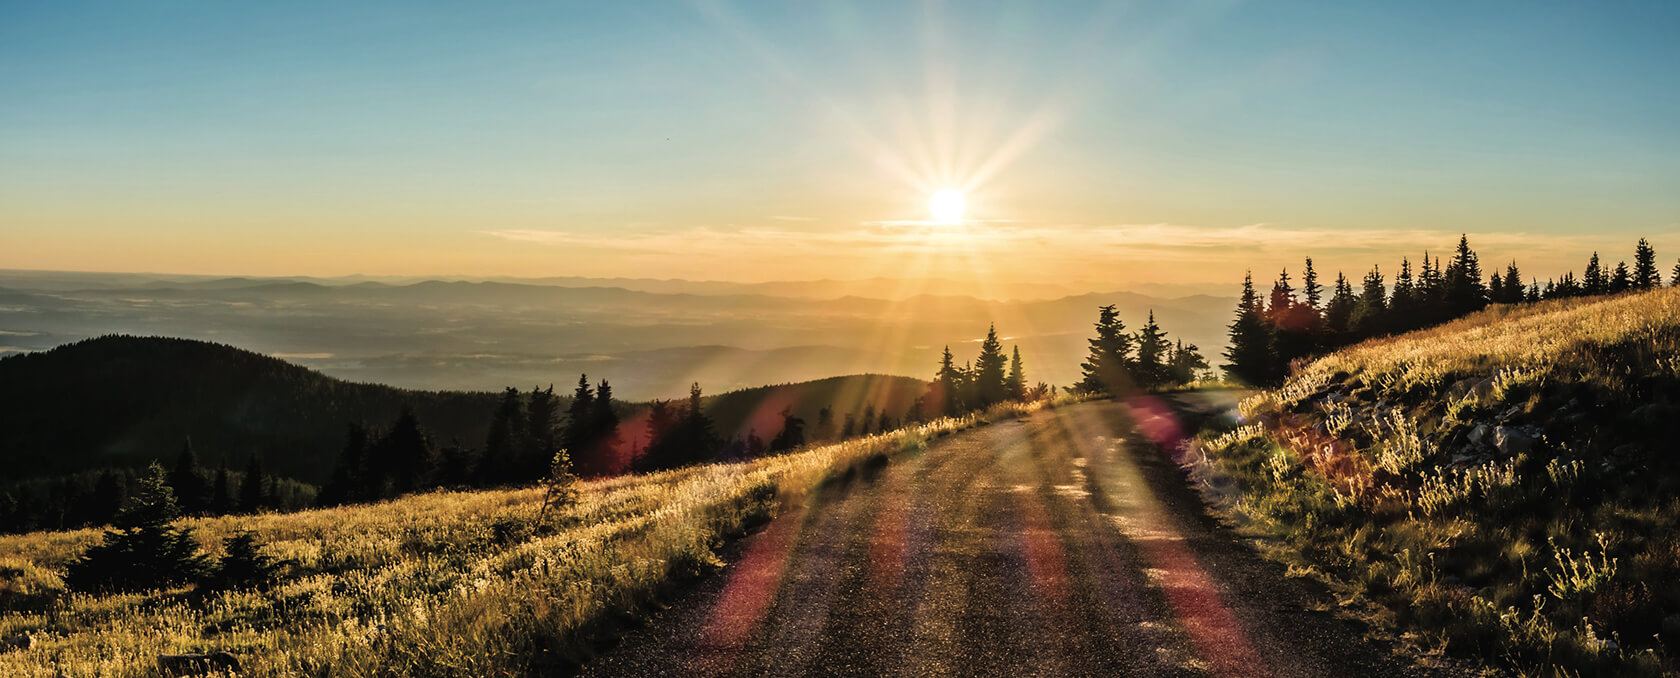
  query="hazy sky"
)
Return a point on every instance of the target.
[{"x": 1100, "y": 143}]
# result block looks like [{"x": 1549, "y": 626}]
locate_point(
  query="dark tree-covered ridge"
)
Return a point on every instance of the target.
[{"x": 127, "y": 401}]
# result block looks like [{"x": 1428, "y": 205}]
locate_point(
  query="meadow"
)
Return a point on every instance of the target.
[
  {"x": 1502, "y": 487},
  {"x": 436, "y": 584}
]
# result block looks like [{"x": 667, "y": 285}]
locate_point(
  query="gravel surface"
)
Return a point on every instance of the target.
[{"x": 1064, "y": 544}]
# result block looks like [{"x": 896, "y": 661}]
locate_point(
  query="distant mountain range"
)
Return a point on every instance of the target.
[{"x": 651, "y": 343}]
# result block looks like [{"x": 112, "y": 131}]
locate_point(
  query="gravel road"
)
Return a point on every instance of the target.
[{"x": 1062, "y": 544}]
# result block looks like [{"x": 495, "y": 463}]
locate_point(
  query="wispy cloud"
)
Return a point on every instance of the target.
[{"x": 1159, "y": 252}]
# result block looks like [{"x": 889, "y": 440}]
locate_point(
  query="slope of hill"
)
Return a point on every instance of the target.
[
  {"x": 758, "y": 410},
  {"x": 122, "y": 401},
  {"x": 434, "y": 584},
  {"x": 1503, "y": 484}
]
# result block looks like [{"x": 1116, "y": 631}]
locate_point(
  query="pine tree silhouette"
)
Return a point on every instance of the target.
[
  {"x": 1621, "y": 280},
  {"x": 1593, "y": 281},
  {"x": 1370, "y": 317},
  {"x": 187, "y": 480},
  {"x": 145, "y": 550},
  {"x": 1107, "y": 367},
  {"x": 1645, "y": 274},
  {"x": 1250, "y": 354},
  {"x": 252, "y": 497},
  {"x": 1150, "y": 367},
  {"x": 1016, "y": 383},
  {"x": 989, "y": 374}
]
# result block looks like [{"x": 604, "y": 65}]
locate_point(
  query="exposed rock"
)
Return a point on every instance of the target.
[
  {"x": 195, "y": 664},
  {"x": 1479, "y": 434},
  {"x": 1483, "y": 388},
  {"x": 1511, "y": 440}
]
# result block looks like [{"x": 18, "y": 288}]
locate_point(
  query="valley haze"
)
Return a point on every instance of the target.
[{"x": 650, "y": 338}]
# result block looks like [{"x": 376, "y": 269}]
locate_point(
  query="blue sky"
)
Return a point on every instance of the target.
[{"x": 612, "y": 138}]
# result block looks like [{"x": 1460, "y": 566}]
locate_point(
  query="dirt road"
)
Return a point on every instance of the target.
[{"x": 1065, "y": 544}]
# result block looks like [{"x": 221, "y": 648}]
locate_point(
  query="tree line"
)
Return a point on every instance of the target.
[
  {"x": 1289, "y": 323},
  {"x": 1121, "y": 362}
]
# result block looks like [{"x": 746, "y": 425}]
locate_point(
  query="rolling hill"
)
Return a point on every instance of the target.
[{"x": 123, "y": 401}]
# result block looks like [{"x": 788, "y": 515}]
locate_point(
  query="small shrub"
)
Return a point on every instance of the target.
[{"x": 145, "y": 551}]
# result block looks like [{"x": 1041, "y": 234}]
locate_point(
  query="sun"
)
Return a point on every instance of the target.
[{"x": 947, "y": 205}]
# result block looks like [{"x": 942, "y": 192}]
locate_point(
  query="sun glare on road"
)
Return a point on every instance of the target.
[{"x": 947, "y": 205}]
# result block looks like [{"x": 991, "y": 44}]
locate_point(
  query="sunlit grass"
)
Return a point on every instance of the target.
[
  {"x": 445, "y": 583},
  {"x": 1502, "y": 484}
]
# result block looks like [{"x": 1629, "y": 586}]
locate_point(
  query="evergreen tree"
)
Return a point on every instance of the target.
[
  {"x": 604, "y": 440},
  {"x": 1675, "y": 281},
  {"x": 1250, "y": 353},
  {"x": 1016, "y": 383},
  {"x": 244, "y": 566},
  {"x": 251, "y": 495},
  {"x": 690, "y": 439},
  {"x": 456, "y": 465},
  {"x": 1338, "y": 314},
  {"x": 187, "y": 480},
  {"x": 661, "y": 418},
  {"x": 1594, "y": 281},
  {"x": 1432, "y": 297},
  {"x": 1465, "y": 289},
  {"x": 1187, "y": 362},
  {"x": 1310, "y": 286},
  {"x": 1513, "y": 284},
  {"x": 1106, "y": 368},
  {"x": 989, "y": 371},
  {"x": 792, "y": 434},
  {"x": 1645, "y": 274},
  {"x": 347, "y": 483},
  {"x": 542, "y": 418},
  {"x": 108, "y": 497},
  {"x": 144, "y": 551},
  {"x": 1403, "y": 301},
  {"x": 849, "y": 428},
  {"x": 1370, "y": 317},
  {"x": 945, "y": 395},
  {"x": 580, "y": 424},
  {"x": 584, "y": 433},
  {"x": 221, "y": 492},
  {"x": 501, "y": 461},
  {"x": 1282, "y": 300},
  {"x": 867, "y": 425},
  {"x": 1621, "y": 280},
  {"x": 1151, "y": 369},
  {"x": 407, "y": 454}
]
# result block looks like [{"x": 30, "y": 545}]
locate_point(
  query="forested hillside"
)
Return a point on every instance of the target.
[{"x": 124, "y": 401}]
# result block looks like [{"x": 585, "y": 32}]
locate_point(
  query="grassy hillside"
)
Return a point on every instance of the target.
[
  {"x": 1505, "y": 484},
  {"x": 123, "y": 401},
  {"x": 439, "y": 584}
]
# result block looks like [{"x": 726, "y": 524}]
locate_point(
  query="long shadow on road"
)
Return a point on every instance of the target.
[{"x": 1063, "y": 544}]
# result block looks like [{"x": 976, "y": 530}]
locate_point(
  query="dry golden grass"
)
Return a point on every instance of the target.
[
  {"x": 1559, "y": 555},
  {"x": 439, "y": 584}
]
